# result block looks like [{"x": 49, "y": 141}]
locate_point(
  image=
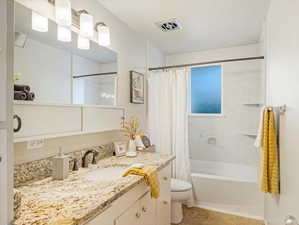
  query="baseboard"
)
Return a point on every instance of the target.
[{"x": 229, "y": 212}]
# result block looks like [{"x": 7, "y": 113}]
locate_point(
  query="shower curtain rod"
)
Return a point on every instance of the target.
[
  {"x": 96, "y": 74},
  {"x": 205, "y": 63}
]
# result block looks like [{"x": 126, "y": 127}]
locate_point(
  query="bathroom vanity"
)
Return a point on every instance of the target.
[
  {"x": 99, "y": 195},
  {"x": 137, "y": 207}
]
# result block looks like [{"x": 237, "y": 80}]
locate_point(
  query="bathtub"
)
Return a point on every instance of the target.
[{"x": 227, "y": 187}]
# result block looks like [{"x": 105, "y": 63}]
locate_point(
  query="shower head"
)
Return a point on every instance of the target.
[{"x": 20, "y": 39}]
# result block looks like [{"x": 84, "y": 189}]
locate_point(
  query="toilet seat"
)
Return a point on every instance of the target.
[{"x": 179, "y": 185}]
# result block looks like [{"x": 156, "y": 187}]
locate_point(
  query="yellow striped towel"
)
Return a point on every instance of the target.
[
  {"x": 269, "y": 162},
  {"x": 150, "y": 175}
]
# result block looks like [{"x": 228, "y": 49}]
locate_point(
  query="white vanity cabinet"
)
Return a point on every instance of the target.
[
  {"x": 142, "y": 212},
  {"x": 43, "y": 121},
  {"x": 97, "y": 119},
  {"x": 39, "y": 120},
  {"x": 163, "y": 203},
  {"x": 137, "y": 207}
]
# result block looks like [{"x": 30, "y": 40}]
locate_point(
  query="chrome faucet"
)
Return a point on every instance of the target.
[
  {"x": 75, "y": 165},
  {"x": 94, "y": 161}
]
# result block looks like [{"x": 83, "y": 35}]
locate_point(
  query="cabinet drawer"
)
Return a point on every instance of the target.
[
  {"x": 38, "y": 120},
  {"x": 147, "y": 206},
  {"x": 131, "y": 216}
]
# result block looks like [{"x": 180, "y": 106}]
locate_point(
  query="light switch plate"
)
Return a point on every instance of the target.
[{"x": 34, "y": 144}]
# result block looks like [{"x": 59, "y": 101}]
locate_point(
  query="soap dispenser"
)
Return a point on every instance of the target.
[{"x": 60, "y": 166}]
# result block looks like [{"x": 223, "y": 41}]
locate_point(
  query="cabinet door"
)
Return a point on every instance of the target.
[
  {"x": 164, "y": 201},
  {"x": 96, "y": 119},
  {"x": 39, "y": 120},
  {"x": 147, "y": 207},
  {"x": 131, "y": 216}
]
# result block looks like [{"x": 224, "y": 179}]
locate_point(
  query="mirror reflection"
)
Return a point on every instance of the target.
[{"x": 60, "y": 72}]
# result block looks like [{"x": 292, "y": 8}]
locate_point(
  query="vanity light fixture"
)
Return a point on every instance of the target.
[
  {"x": 86, "y": 24},
  {"x": 103, "y": 34},
  {"x": 64, "y": 34},
  {"x": 63, "y": 12},
  {"x": 83, "y": 43},
  {"x": 39, "y": 23}
]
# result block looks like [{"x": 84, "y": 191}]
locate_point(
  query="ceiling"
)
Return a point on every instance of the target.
[{"x": 207, "y": 24}]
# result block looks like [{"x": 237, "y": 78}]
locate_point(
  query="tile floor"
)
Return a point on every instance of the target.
[{"x": 197, "y": 216}]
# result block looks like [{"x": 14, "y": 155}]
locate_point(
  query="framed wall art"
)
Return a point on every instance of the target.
[{"x": 137, "y": 87}]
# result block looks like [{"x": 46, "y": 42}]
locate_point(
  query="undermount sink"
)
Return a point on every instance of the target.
[{"x": 106, "y": 174}]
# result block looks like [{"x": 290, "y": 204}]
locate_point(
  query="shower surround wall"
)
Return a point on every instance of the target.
[
  {"x": 224, "y": 163},
  {"x": 222, "y": 138}
]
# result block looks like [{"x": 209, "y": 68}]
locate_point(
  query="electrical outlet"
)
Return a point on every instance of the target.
[{"x": 34, "y": 144}]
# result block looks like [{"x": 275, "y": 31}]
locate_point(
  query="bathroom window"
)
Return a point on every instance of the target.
[{"x": 206, "y": 90}]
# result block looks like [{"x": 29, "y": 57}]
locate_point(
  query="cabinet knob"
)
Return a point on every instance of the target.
[
  {"x": 165, "y": 178},
  {"x": 138, "y": 214},
  {"x": 165, "y": 202},
  {"x": 144, "y": 209}
]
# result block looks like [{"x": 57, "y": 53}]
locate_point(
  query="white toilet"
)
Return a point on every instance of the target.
[{"x": 181, "y": 192}]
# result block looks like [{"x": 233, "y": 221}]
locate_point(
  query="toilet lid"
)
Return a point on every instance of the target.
[{"x": 179, "y": 185}]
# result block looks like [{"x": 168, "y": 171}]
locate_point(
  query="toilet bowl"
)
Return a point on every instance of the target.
[{"x": 180, "y": 193}]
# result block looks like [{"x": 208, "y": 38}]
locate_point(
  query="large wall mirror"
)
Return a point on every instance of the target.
[{"x": 59, "y": 72}]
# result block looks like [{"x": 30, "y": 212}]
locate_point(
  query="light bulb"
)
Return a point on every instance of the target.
[
  {"x": 83, "y": 43},
  {"x": 64, "y": 34},
  {"x": 39, "y": 23},
  {"x": 86, "y": 25},
  {"x": 103, "y": 34},
  {"x": 63, "y": 12}
]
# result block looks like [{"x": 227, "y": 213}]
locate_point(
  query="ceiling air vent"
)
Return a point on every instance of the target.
[{"x": 169, "y": 25}]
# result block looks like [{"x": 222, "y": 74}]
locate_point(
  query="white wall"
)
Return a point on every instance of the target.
[
  {"x": 216, "y": 54},
  {"x": 132, "y": 49},
  {"x": 282, "y": 36},
  {"x": 242, "y": 83},
  {"x": 155, "y": 56}
]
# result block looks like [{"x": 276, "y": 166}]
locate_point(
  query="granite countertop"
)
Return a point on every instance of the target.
[{"x": 76, "y": 199}]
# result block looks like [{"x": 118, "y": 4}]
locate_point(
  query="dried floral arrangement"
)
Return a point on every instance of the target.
[{"x": 131, "y": 128}]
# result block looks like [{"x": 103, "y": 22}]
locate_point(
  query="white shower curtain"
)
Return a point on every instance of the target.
[{"x": 168, "y": 117}]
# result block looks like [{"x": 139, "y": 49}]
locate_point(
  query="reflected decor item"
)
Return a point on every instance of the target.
[
  {"x": 137, "y": 87},
  {"x": 83, "y": 43},
  {"x": 63, "y": 12},
  {"x": 103, "y": 34},
  {"x": 64, "y": 34},
  {"x": 39, "y": 23},
  {"x": 86, "y": 24}
]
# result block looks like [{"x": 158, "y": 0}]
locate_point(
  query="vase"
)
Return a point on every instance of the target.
[{"x": 132, "y": 149}]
